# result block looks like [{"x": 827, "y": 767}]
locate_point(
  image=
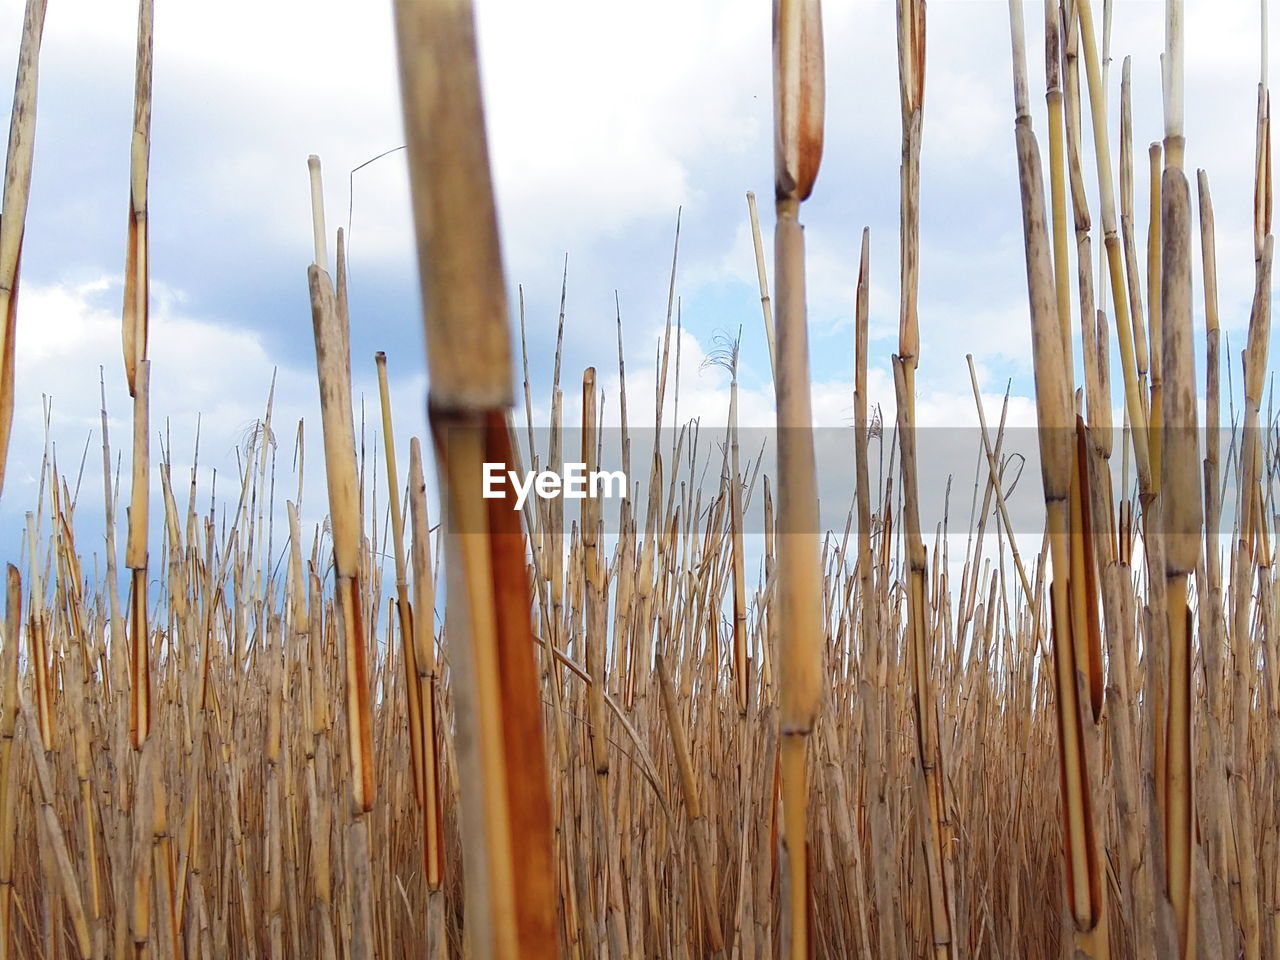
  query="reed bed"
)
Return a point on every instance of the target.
[{"x": 503, "y": 733}]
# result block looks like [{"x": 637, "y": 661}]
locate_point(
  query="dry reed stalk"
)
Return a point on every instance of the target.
[
  {"x": 543, "y": 543},
  {"x": 137, "y": 370},
  {"x": 428, "y": 680},
  {"x": 1112, "y": 563},
  {"x": 930, "y": 797},
  {"x": 766, "y": 305},
  {"x": 272, "y": 814},
  {"x": 332, "y": 364},
  {"x": 1125, "y": 335},
  {"x": 333, "y": 372},
  {"x": 508, "y": 851},
  {"x": 8, "y": 722},
  {"x": 404, "y": 609},
  {"x": 995, "y": 483},
  {"x": 875, "y": 651},
  {"x": 1086, "y": 505},
  {"x": 44, "y": 668},
  {"x": 1093, "y": 338},
  {"x": 137, "y": 263},
  {"x": 594, "y": 637},
  {"x": 1217, "y": 807},
  {"x": 319, "y": 237},
  {"x": 302, "y": 628},
  {"x": 1246, "y": 567},
  {"x": 140, "y": 679},
  {"x": 318, "y": 773},
  {"x": 1084, "y": 879},
  {"x": 1174, "y": 406},
  {"x": 13, "y": 209},
  {"x": 740, "y": 660},
  {"x": 55, "y": 838},
  {"x": 149, "y": 831},
  {"x": 1054, "y": 99},
  {"x": 693, "y": 806},
  {"x": 798, "y": 132},
  {"x": 417, "y": 629},
  {"x": 1142, "y": 360},
  {"x": 1155, "y": 309}
]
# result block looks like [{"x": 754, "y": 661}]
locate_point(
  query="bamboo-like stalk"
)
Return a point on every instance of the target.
[
  {"x": 889, "y": 930},
  {"x": 798, "y": 103},
  {"x": 1054, "y": 98},
  {"x": 319, "y": 238},
  {"x": 1093, "y": 341},
  {"x": 137, "y": 374},
  {"x": 693, "y": 806},
  {"x": 740, "y": 661},
  {"x": 1155, "y": 310},
  {"x": 508, "y": 849},
  {"x": 344, "y": 506},
  {"x": 13, "y": 209},
  {"x": 140, "y": 679},
  {"x": 930, "y": 795},
  {"x": 137, "y": 262},
  {"x": 8, "y": 723},
  {"x": 1217, "y": 805},
  {"x": 417, "y": 627},
  {"x": 404, "y": 609},
  {"x": 149, "y": 799},
  {"x": 333, "y": 372},
  {"x": 1182, "y": 515},
  {"x": 766, "y": 305},
  {"x": 1248, "y": 522},
  {"x": 428, "y": 680},
  {"x": 1128, "y": 228},
  {"x": 594, "y": 639},
  {"x": 43, "y": 671},
  {"x": 1084, "y": 879},
  {"x": 1182, "y": 509},
  {"x": 1083, "y": 501},
  {"x": 1111, "y": 241}
]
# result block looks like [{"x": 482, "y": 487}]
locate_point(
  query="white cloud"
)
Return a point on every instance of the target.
[{"x": 205, "y": 373}]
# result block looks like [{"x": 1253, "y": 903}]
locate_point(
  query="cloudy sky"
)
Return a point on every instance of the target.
[{"x": 605, "y": 119}]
